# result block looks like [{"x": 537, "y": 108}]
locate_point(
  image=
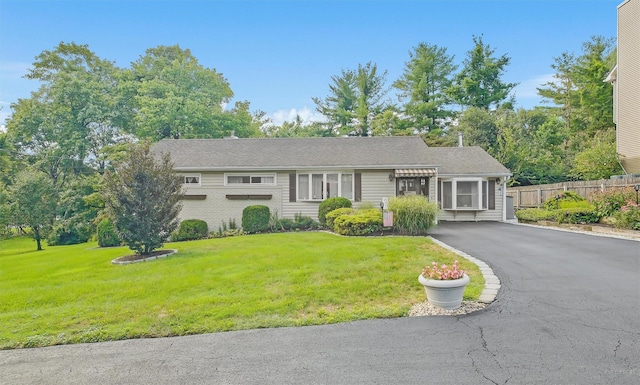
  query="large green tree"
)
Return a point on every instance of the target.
[
  {"x": 169, "y": 94},
  {"x": 422, "y": 88},
  {"x": 65, "y": 126},
  {"x": 142, "y": 199},
  {"x": 356, "y": 98},
  {"x": 479, "y": 83},
  {"x": 32, "y": 203}
]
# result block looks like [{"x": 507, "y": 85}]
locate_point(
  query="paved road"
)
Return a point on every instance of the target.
[{"x": 568, "y": 313}]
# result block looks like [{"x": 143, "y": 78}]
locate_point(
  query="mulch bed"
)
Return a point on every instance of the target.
[{"x": 133, "y": 258}]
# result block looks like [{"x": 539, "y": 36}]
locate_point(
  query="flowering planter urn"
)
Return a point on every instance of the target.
[{"x": 444, "y": 293}]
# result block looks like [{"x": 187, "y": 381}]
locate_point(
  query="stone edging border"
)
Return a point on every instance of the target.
[
  {"x": 116, "y": 262},
  {"x": 491, "y": 281}
]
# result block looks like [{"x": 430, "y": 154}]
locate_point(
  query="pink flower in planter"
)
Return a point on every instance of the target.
[{"x": 443, "y": 272}]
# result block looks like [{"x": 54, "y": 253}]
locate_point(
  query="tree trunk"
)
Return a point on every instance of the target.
[{"x": 36, "y": 233}]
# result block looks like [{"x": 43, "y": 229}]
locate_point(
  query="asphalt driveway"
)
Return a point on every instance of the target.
[{"x": 568, "y": 313}]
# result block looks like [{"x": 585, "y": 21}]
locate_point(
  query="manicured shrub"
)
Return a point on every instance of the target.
[
  {"x": 609, "y": 202},
  {"x": 535, "y": 214},
  {"x": 413, "y": 214},
  {"x": 329, "y": 205},
  {"x": 255, "y": 218},
  {"x": 569, "y": 215},
  {"x": 332, "y": 215},
  {"x": 190, "y": 229},
  {"x": 107, "y": 236},
  {"x": 361, "y": 222}
]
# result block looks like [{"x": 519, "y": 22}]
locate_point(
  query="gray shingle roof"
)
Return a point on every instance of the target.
[
  {"x": 466, "y": 161},
  {"x": 306, "y": 153}
]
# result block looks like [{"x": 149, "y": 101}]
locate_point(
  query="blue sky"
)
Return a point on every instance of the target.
[{"x": 280, "y": 54}]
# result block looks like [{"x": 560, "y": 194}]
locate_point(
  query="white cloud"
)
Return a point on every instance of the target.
[
  {"x": 13, "y": 70},
  {"x": 528, "y": 88},
  {"x": 289, "y": 115}
]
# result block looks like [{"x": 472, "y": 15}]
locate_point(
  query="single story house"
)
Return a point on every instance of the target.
[{"x": 293, "y": 175}]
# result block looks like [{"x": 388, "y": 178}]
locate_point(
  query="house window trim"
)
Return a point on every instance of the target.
[
  {"x": 482, "y": 194},
  {"x": 250, "y": 175},
  {"x": 324, "y": 184},
  {"x": 191, "y": 175}
]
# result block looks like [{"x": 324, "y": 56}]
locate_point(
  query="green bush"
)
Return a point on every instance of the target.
[
  {"x": 361, "y": 222},
  {"x": 577, "y": 215},
  {"x": 628, "y": 217},
  {"x": 107, "y": 236},
  {"x": 255, "y": 218},
  {"x": 413, "y": 214},
  {"x": 609, "y": 202},
  {"x": 332, "y": 215},
  {"x": 69, "y": 233},
  {"x": 330, "y": 204},
  {"x": 535, "y": 214},
  {"x": 299, "y": 222},
  {"x": 190, "y": 229},
  {"x": 569, "y": 215},
  {"x": 564, "y": 198}
]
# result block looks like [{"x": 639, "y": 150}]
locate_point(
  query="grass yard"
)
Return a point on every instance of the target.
[{"x": 73, "y": 294}]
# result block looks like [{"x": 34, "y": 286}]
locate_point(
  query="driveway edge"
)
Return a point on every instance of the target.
[{"x": 491, "y": 281}]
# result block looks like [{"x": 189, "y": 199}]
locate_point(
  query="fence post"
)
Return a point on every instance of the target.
[{"x": 539, "y": 200}]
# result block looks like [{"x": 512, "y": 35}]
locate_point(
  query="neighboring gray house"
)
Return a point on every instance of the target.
[{"x": 293, "y": 175}]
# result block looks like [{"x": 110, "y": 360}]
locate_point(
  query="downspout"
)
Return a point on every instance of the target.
[
  {"x": 436, "y": 194},
  {"x": 504, "y": 198}
]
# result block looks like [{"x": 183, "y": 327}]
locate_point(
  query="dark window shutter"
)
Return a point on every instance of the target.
[
  {"x": 439, "y": 191},
  {"x": 292, "y": 187},
  {"x": 492, "y": 195},
  {"x": 358, "y": 186}
]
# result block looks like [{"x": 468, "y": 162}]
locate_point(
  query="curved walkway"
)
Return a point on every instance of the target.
[{"x": 567, "y": 313}]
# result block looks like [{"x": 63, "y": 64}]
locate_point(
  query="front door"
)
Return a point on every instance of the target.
[{"x": 412, "y": 186}]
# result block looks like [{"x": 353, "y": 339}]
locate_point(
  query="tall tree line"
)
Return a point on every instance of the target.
[{"x": 87, "y": 111}]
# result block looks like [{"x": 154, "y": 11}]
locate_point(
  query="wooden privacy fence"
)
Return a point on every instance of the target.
[{"x": 535, "y": 196}]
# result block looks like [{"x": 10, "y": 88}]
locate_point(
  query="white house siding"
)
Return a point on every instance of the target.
[
  {"x": 216, "y": 208},
  {"x": 376, "y": 185}
]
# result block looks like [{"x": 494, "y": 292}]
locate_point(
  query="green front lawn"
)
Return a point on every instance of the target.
[{"x": 72, "y": 294}]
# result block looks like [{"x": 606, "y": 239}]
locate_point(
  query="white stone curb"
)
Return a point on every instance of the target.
[
  {"x": 491, "y": 281},
  {"x": 116, "y": 262}
]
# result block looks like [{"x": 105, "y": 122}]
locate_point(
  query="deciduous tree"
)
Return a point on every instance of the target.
[
  {"x": 32, "y": 203},
  {"x": 171, "y": 95},
  {"x": 142, "y": 199}
]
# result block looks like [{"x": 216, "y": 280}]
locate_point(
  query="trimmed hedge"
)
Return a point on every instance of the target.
[
  {"x": 330, "y": 204},
  {"x": 255, "y": 219},
  {"x": 107, "y": 236},
  {"x": 569, "y": 215},
  {"x": 332, "y": 215},
  {"x": 361, "y": 222},
  {"x": 191, "y": 229}
]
